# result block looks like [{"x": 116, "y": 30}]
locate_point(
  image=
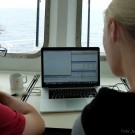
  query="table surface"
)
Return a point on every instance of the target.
[{"x": 56, "y": 120}]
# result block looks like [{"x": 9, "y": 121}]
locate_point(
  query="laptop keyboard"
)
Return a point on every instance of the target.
[{"x": 72, "y": 93}]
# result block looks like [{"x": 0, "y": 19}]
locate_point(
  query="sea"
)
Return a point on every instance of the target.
[{"x": 18, "y": 29}]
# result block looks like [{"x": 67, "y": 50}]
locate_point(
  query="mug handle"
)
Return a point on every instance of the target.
[{"x": 24, "y": 81}]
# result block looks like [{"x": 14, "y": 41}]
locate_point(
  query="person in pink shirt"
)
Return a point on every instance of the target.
[{"x": 18, "y": 117}]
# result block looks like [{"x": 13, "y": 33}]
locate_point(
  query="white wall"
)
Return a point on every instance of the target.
[
  {"x": 20, "y": 64},
  {"x": 34, "y": 65}
]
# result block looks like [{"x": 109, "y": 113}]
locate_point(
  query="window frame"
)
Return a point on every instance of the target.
[
  {"x": 102, "y": 54},
  {"x": 35, "y": 54},
  {"x": 78, "y": 23},
  {"x": 78, "y": 26}
]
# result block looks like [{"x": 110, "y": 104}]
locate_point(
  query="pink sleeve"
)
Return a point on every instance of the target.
[{"x": 11, "y": 122}]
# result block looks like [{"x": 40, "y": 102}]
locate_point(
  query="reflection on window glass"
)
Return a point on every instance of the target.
[
  {"x": 97, "y": 8},
  {"x": 18, "y": 25}
]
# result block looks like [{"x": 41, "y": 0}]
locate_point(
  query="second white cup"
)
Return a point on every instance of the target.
[{"x": 17, "y": 80}]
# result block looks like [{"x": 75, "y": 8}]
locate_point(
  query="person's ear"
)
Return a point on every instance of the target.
[{"x": 113, "y": 28}]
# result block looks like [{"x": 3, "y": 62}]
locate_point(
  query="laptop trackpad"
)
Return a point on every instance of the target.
[
  {"x": 75, "y": 103},
  {"x": 62, "y": 105}
]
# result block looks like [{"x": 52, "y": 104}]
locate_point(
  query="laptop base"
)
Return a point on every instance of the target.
[{"x": 62, "y": 105}]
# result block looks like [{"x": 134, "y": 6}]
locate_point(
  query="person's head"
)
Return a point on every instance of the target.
[{"x": 119, "y": 35}]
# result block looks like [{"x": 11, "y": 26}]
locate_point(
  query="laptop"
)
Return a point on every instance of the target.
[{"x": 70, "y": 78}]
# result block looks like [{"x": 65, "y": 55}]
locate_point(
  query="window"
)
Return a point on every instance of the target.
[
  {"x": 95, "y": 31},
  {"x": 20, "y": 31}
]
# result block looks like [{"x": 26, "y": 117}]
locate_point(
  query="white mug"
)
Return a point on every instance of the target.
[{"x": 17, "y": 80}]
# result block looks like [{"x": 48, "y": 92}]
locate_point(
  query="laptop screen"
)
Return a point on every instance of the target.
[{"x": 70, "y": 66}]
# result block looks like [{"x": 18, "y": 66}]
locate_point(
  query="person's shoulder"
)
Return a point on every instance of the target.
[
  {"x": 104, "y": 96},
  {"x": 109, "y": 91},
  {"x": 106, "y": 90}
]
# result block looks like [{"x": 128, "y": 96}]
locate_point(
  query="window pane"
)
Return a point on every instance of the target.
[
  {"x": 97, "y": 8},
  {"x": 18, "y": 25}
]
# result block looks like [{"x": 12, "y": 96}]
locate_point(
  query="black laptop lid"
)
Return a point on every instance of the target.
[{"x": 70, "y": 66}]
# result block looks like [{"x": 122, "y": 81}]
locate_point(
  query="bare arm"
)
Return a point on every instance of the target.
[{"x": 34, "y": 123}]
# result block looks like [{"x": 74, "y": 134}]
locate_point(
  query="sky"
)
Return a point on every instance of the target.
[
  {"x": 19, "y": 3},
  {"x": 98, "y": 4}
]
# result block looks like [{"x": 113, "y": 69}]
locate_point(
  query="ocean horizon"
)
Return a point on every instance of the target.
[{"x": 18, "y": 29}]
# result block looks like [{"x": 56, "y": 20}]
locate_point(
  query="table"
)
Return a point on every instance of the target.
[{"x": 56, "y": 120}]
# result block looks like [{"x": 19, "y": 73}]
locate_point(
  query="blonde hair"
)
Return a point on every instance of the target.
[{"x": 123, "y": 11}]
